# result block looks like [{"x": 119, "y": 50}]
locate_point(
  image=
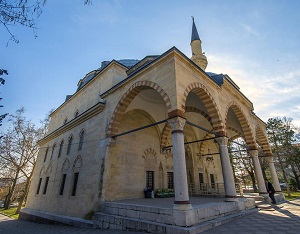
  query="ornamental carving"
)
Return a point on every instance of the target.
[
  {"x": 177, "y": 123},
  {"x": 148, "y": 152}
]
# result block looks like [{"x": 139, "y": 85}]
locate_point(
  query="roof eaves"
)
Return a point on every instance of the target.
[{"x": 137, "y": 71}]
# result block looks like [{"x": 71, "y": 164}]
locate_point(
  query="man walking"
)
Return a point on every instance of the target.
[{"x": 271, "y": 191}]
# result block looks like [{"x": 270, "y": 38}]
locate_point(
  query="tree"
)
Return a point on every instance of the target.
[
  {"x": 2, "y": 81},
  {"x": 22, "y": 12},
  {"x": 281, "y": 134},
  {"x": 19, "y": 149},
  {"x": 242, "y": 163}
]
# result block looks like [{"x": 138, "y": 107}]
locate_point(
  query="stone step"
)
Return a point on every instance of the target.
[
  {"x": 106, "y": 221},
  {"x": 154, "y": 214}
]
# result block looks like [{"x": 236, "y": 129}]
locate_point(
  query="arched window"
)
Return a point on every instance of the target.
[
  {"x": 69, "y": 144},
  {"x": 60, "y": 148},
  {"x": 81, "y": 139},
  {"x": 52, "y": 151},
  {"x": 45, "y": 158},
  {"x": 76, "y": 113}
]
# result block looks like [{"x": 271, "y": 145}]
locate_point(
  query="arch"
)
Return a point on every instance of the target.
[
  {"x": 243, "y": 122},
  {"x": 76, "y": 113},
  {"x": 70, "y": 140},
  {"x": 149, "y": 152},
  {"x": 42, "y": 171},
  {"x": 77, "y": 162},
  {"x": 66, "y": 165},
  {"x": 126, "y": 99},
  {"x": 197, "y": 110},
  {"x": 201, "y": 91},
  {"x": 237, "y": 133},
  {"x": 263, "y": 140},
  {"x": 49, "y": 169},
  {"x": 61, "y": 144},
  {"x": 81, "y": 139},
  {"x": 167, "y": 128}
]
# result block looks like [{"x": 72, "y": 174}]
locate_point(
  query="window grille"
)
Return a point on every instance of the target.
[
  {"x": 45, "y": 158},
  {"x": 75, "y": 182},
  {"x": 62, "y": 185},
  {"x": 60, "y": 148},
  {"x": 81, "y": 139},
  {"x": 150, "y": 179},
  {"x": 46, "y": 185},
  {"x": 69, "y": 144},
  {"x": 170, "y": 177},
  {"x": 39, "y": 186}
]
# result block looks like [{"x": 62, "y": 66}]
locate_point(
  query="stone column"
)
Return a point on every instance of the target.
[
  {"x": 180, "y": 176},
  {"x": 274, "y": 175},
  {"x": 228, "y": 178},
  {"x": 258, "y": 174}
]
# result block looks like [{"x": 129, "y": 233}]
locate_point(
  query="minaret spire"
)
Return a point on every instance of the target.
[{"x": 197, "y": 56}]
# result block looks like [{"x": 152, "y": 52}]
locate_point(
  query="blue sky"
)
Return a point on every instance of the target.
[{"x": 257, "y": 43}]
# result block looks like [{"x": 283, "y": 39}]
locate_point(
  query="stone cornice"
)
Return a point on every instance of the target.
[{"x": 91, "y": 112}]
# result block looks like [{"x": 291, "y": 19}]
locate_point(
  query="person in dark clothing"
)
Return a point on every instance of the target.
[{"x": 271, "y": 191}]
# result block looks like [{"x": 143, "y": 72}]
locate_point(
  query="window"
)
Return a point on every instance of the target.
[
  {"x": 46, "y": 185},
  {"x": 81, "y": 139},
  {"x": 60, "y": 148},
  {"x": 170, "y": 177},
  {"x": 76, "y": 114},
  {"x": 201, "y": 180},
  {"x": 66, "y": 120},
  {"x": 52, "y": 151},
  {"x": 150, "y": 179},
  {"x": 69, "y": 144},
  {"x": 212, "y": 180},
  {"x": 62, "y": 185},
  {"x": 45, "y": 158},
  {"x": 75, "y": 182},
  {"x": 39, "y": 186}
]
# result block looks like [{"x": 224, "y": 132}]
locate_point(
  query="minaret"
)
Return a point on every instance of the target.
[{"x": 197, "y": 56}]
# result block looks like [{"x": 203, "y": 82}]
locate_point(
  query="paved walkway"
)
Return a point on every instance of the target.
[
  {"x": 15, "y": 226},
  {"x": 283, "y": 218}
]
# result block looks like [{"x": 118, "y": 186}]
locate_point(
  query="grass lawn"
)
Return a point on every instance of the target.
[
  {"x": 293, "y": 195},
  {"x": 10, "y": 212}
]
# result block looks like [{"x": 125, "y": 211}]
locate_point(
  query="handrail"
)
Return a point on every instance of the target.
[{"x": 211, "y": 189}]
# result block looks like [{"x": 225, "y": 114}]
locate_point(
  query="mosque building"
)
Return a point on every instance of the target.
[{"x": 161, "y": 123}]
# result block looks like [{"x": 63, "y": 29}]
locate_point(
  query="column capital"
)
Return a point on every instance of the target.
[
  {"x": 222, "y": 141},
  {"x": 177, "y": 123},
  {"x": 253, "y": 153}
]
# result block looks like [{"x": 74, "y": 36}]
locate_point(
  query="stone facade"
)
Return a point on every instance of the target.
[{"x": 87, "y": 161}]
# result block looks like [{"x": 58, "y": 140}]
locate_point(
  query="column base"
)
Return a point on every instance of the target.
[
  {"x": 182, "y": 206},
  {"x": 231, "y": 198},
  {"x": 263, "y": 194}
]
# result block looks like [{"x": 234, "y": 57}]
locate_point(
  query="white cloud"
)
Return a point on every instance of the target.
[
  {"x": 276, "y": 95},
  {"x": 249, "y": 29}
]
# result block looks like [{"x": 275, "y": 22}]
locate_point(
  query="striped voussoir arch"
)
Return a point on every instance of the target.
[
  {"x": 237, "y": 133},
  {"x": 202, "y": 143},
  {"x": 243, "y": 122},
  {"x": 167, "y": 129},
  {"x": 126, "y": 99},
  {"x": 164, "y": 135},
  {"x": 264, "y": 143},
  {"x": 197, "y": 110},
  {"x": 201, "y": 91}
]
